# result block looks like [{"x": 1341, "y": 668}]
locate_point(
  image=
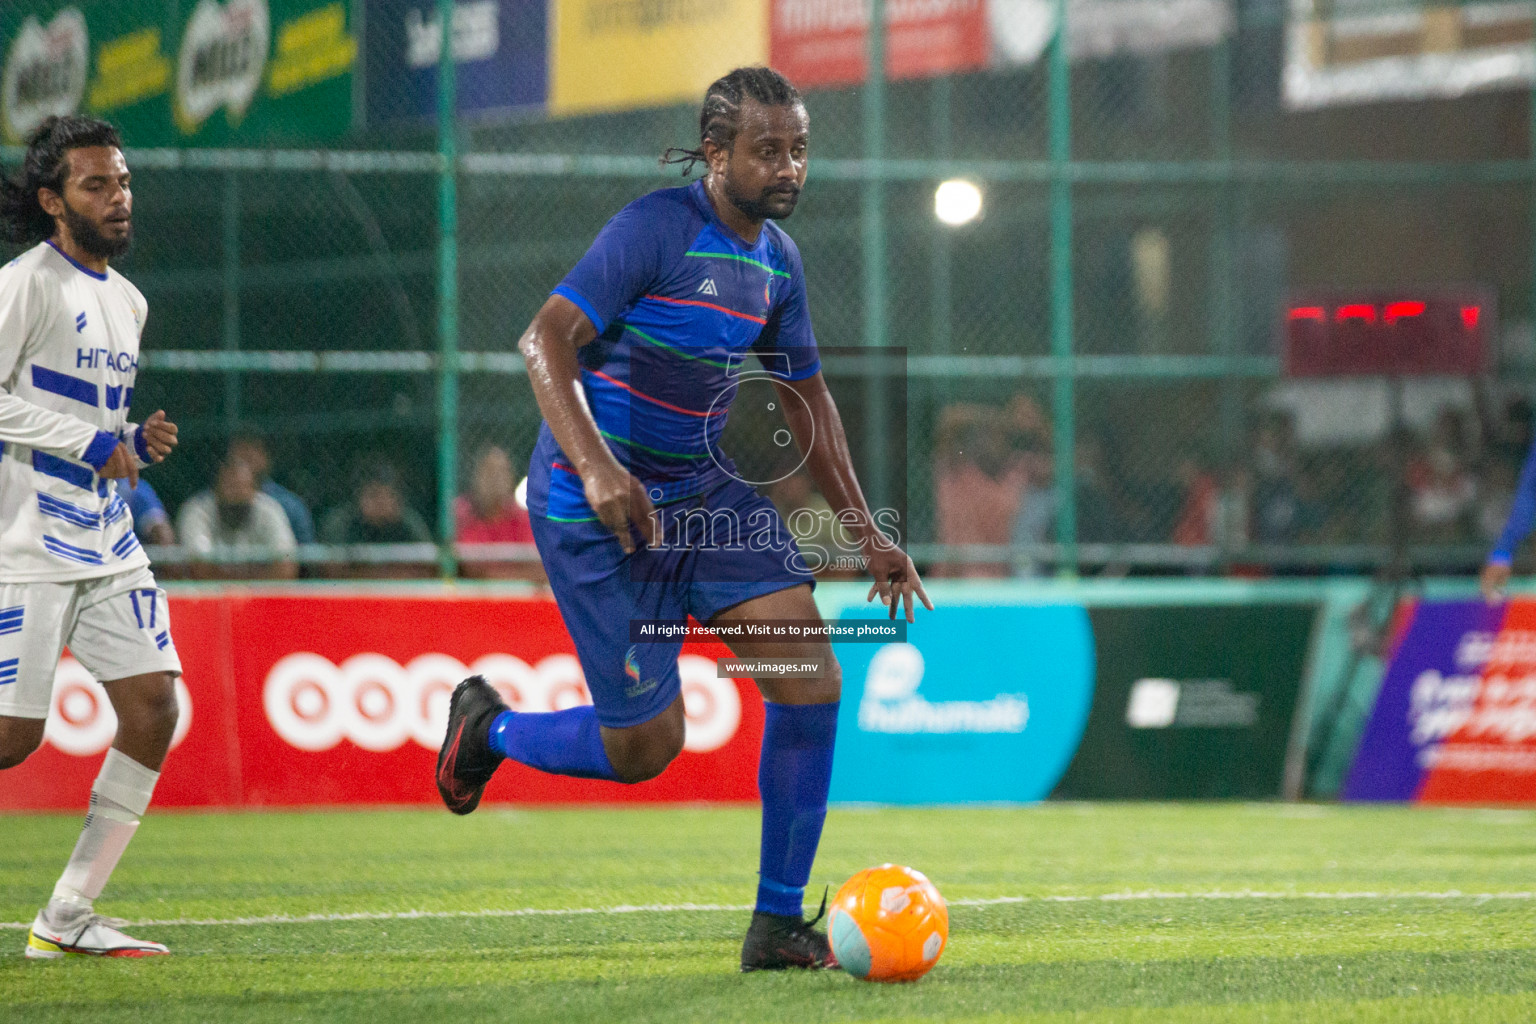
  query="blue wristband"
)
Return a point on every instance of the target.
[
  {"x": 139, "y": 446},
  {"x": 100, "y": 449}
]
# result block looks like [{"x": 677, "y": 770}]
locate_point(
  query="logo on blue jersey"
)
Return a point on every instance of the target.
[
  {"x": 80, "y": 323},
  {"x": 635, "y": 687},
  {"x": 708, "y": 287}
]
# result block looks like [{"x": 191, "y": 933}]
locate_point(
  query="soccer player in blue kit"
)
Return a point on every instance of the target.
[{"x": 634, "y": 360}]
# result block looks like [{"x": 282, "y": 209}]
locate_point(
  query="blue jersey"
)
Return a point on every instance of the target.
[
  {"x": 1521, "y": 513},
  {"x": 679, "y": 302}
]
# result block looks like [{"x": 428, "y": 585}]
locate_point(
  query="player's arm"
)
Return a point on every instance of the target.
[
  {"x": 24, "y": 301},
  {"x": 1522, "y": 513},
  {"x": 549, "y": 347},
  {"x": 818, "y": 430},
  {"x": 150, "y": 441}
]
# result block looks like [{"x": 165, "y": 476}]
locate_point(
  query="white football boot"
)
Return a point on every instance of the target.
[{"x": 87, "y": 935}]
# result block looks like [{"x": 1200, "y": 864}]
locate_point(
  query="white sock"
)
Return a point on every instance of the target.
[{"x": 119, "y": 797}]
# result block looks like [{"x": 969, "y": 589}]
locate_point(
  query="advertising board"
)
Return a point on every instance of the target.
[
  {"x": 169, "y": 74},
  {"x": 1191, "y": 702},
  {"x": 307, "y": 699},
  {"x": 622, "y": 54},
  {"x": 822, "y": 42},
  {"x": 1455, "y": 719},
  {"x": 500, "y": 51},
  {"x": 1361, "y": 51},
  {"x": 981, "y": 704}
]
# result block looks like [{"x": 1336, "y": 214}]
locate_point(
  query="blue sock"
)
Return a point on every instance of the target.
[
  {"x": 559, "y": 742},
  {"x": 793, "y": 776}
]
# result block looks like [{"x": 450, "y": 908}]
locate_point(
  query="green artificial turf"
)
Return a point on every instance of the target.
[{"x": 1062, "y": 912}]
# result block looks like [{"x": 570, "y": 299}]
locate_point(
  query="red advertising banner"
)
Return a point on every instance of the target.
[
  {"x": 299, "y": 699},
  {"x": 1489, "y": 750},
  {"x": 1455, "y": 719},
  {"x": 821, "y": 42}
]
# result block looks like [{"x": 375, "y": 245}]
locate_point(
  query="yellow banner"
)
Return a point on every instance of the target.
[{"x": 620, "y": 54}]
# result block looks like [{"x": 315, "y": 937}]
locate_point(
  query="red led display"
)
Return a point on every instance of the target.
[{"x": 1407, "y": 333}]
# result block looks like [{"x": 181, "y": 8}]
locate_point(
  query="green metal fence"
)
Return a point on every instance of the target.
[{"x": 1092, "y": 372}]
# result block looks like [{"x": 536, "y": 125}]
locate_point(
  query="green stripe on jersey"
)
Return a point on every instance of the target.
[
  {"x": 677, "y": 351},
  {"x": 654, "y": 451},
  {"x": 733, "y": 256}
]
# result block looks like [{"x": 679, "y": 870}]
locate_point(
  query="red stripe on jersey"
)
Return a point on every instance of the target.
[
  {"x": 655, "y": 401},
  {"x": 710, "y": 305}
]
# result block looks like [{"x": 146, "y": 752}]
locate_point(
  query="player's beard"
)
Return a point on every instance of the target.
[
  {"x": 769, "y": 204},
  {"x": 91, "y": 240}
]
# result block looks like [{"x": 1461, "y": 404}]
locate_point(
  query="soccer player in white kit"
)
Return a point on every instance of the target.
[{"x": 71, "y": 571}]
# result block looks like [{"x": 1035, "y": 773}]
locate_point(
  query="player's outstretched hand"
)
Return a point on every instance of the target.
[
  {"x": 1494, "y": 578},
  {"x": 895, "y": 576},
  {"x": 159, "y": 436},
  {"x": 121, "y": 465},
  {"x": 622, "y": 505}
]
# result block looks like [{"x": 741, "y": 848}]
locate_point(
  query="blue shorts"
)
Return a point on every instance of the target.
[{"x": 720, "y": 549}]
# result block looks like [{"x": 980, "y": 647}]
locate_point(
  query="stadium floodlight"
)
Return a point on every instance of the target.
[{"x": 957, "y": 202}]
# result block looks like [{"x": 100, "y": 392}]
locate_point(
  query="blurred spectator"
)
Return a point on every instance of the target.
[
  {"x": 977, "y": 486},
  {"x": 1200, "y": 513},
  {"x": 378, "y": 515},
  {"x": 236, "y": 532},
  {"x": 1276, "y": 503},
  {"x": 1496, "y": 497},
  {"x": 1507, "y": 430},
  {"x": 1029, "y": 437},
  {"x": 1104, "y": 513},
  {"x": 1442, "y": 491},
  {"x": 1029, "y": 430},
  {"x": 150, "y": 520},
  {"x": 490, "y": 514},
  {"x": 1236, "y": 507},
  {"x": 252, "y": 451}
]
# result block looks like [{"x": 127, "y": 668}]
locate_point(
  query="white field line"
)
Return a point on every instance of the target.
[{"x": 670, "y": 908}]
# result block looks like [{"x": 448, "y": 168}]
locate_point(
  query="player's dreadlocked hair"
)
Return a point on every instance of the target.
[
  {"x": 22, "y": 217},
  {"x": 721, "y": 117}
]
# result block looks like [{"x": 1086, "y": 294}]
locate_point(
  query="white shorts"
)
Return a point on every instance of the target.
[{"x": 116, "y": 626}]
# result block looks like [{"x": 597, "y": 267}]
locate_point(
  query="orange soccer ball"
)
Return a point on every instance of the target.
[{"x": 888, "y": 924}]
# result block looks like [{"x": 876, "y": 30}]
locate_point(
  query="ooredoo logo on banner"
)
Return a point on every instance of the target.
[
  {"x": 377, "y": 704},
  {"x": 81, "y": 721},
  {"x": 345, "y": 700},
  {"x": 300, "y": 699}
]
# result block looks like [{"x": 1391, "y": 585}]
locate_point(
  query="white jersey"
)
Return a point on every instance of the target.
[{"x": 69, "y": 353}]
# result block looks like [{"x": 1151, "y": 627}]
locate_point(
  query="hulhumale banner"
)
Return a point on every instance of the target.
[
  {"x": 169, "y": 73},
  {"x": 980, "y": 704},
  {"x": 500, "y": 51},
  {"x": 1455, "y": 720}
]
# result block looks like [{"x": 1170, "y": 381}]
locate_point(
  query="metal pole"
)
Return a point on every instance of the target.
[
  {"x": 941, "y": 269},
  {"x": 1063, "y": 410},
  {"x": 448, "y": 290},
  {"x": 231, "y": 281},
  {"x": 1224, "y": 286},
  {"x": 1530, "y": 313},
  {"x": 872, "y": 218}
]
